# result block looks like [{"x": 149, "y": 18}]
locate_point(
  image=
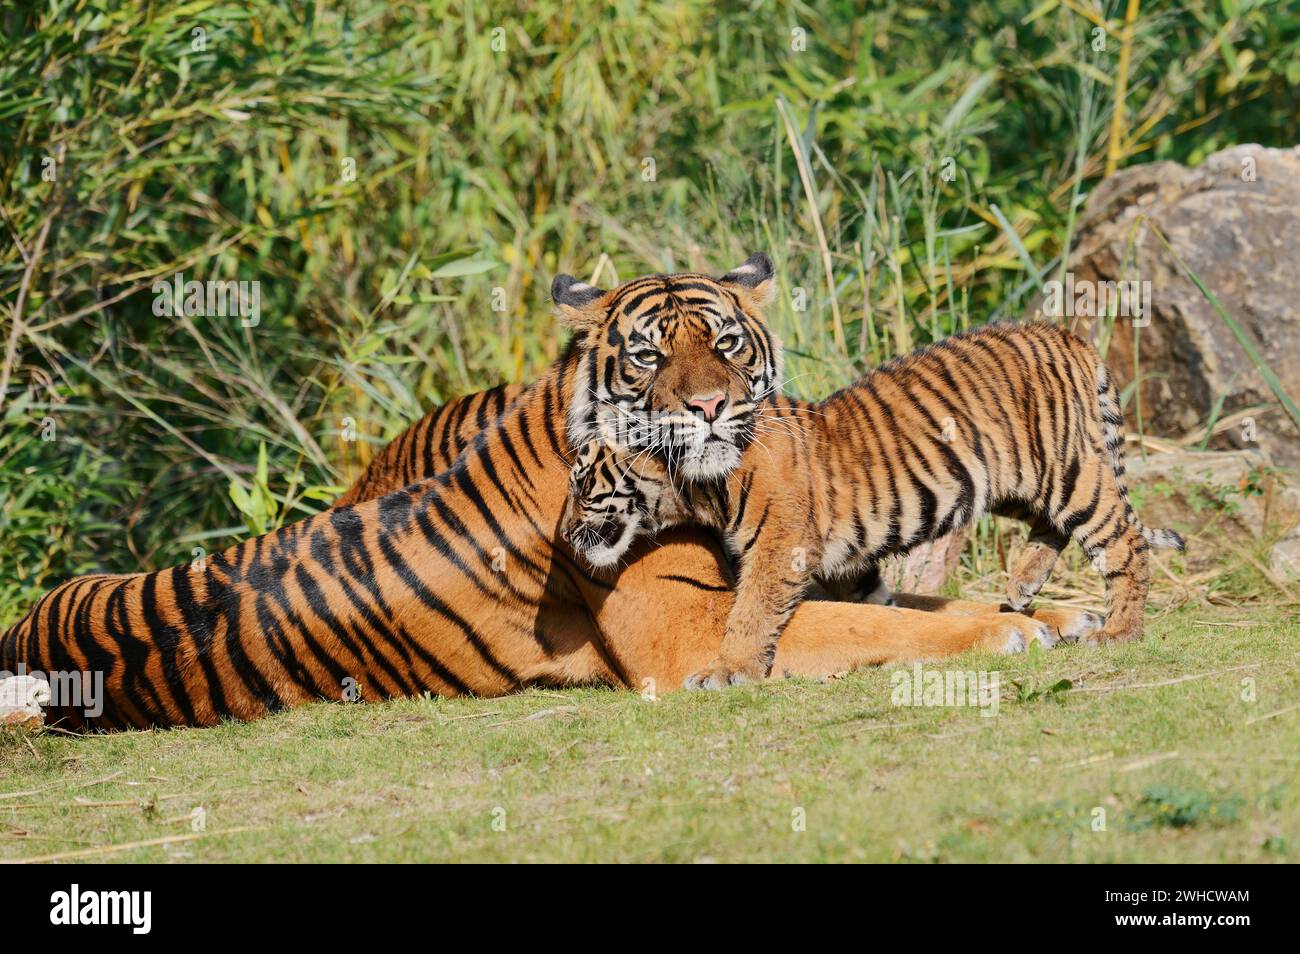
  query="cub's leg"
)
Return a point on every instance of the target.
[
  {"x": 1119, "y": 552},
  {"x": 1112, "y": 538},
  {"x": 1035, "y": 564},
  {"x": 774, "y": 575}
]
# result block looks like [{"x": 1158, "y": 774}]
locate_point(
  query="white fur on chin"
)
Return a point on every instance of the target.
[{"x": 710, "y": 461}]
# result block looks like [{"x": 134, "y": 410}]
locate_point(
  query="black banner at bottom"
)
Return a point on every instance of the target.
[{"x": 136, "y": 905}]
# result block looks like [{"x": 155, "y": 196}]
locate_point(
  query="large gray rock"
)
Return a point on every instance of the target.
[{"x": 1235, "y": 221}]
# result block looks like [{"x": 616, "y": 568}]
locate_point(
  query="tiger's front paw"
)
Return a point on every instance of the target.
[
  {"x": 720, "y": 673},
  {"x": 1071, "y": 625}
]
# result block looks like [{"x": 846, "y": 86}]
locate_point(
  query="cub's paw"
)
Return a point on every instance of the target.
[
  {"x": 1020, "y": 593},
  {"x": 1070, "y": 625},
  {"x": 1112, "y": 632},
  {"x": 720, "y": 673},
  {"x": 1013, "y": 633}
]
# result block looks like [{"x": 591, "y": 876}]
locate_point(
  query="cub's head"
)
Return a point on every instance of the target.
[
  {"x": 614, "y": 495},
  {"x": 673, "y": 364}
]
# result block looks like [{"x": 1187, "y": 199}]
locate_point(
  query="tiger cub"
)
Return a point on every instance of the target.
[
  {"x": 1015, "y": 420},
  {"x": 616, "y": 497}
]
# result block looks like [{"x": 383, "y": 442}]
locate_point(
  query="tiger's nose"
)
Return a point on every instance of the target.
[{"x": 707, "y": 405}]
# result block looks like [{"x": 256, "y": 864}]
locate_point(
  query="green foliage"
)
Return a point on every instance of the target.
[
  {"x": 256, "y": 504},
  {"x": 49, "y": 500},
  {"x": 404, "y": 179},
  {"x": 1171, "y": 806},
  {"x": 1029, "y": 691}
]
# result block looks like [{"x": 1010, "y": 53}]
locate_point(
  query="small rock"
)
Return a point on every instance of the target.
[
  {"x": 925, "y": 568},
  {"x": 21, "y": 698}
]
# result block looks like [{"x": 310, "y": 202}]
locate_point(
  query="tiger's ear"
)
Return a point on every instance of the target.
[
  {"x": 578, "y": 304},
  {"x": 754, "y": 281}
]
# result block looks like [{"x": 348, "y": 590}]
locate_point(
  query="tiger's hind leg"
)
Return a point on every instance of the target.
[
  {"x": 1066, "y": 624},
  {"x": 1120, "y": 554},
  {"x": 1112, "y": 539}
]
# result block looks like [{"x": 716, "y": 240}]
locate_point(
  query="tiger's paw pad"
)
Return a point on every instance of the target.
[{"x": 719, "y": 674}]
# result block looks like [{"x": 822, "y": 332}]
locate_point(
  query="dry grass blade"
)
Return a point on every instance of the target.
[{"x": 100, "y": 851}]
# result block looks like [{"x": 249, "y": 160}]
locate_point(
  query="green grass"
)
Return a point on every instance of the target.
[
  {"x": 1188, "y": 771},
  {"x": 913, "y": 170}
]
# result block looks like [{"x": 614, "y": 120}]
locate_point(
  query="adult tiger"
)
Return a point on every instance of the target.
[
  {"x": 459, "y": 583},
  {"x": 431, "y": 444}
]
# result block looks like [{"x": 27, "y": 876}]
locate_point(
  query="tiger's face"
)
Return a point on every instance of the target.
[
  {"x": 675, "y": 365},
  {"x": 614, "y": 496}
]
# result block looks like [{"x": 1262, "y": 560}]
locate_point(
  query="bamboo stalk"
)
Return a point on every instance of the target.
[
  {"x": 805, "y": 176},
  {"x": 1115, "y": 149}
]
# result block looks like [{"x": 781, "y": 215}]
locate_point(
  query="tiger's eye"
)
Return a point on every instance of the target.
[
  {"x": 647, "y": 357},
  {"x": 727, "y": 343}
]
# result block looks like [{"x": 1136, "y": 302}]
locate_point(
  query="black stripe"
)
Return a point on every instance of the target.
[
  {"x": 167, "y": 639},
  {"x": 466, "y": 486},
  {"x": 134, "y": 654},
  {"x": 426, "y": 596},
  {"x": 710, "y": 587},
  {"x": 548, "y": 421},
  {"x": 200, "y": 623},
  {"x": 757, "y": 530}
]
